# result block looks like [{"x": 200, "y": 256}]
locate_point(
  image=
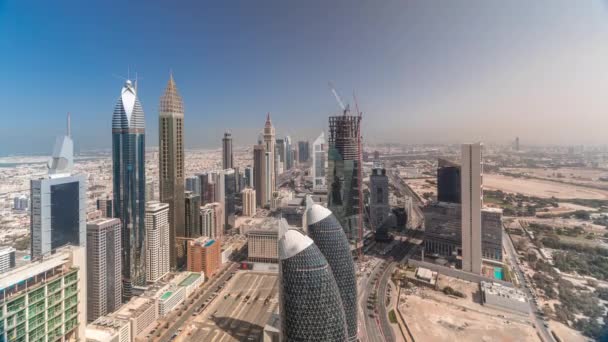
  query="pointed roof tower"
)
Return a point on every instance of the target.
[{"x": 171, "y": 102}]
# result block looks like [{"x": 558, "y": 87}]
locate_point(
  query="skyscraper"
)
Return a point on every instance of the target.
[
  {"x": 343, "y": 171},
  {"x": 303, "y": 151},
  {"x": 58, "y": 208},
  {"x": 472, "y": 202},
  {"x": 207, "y": 181},
  {"x": 192, "y": 219},
  {"x": 157, "y": 240},
  {"x": 448, "y": 181},
  {"x": 259, "y": 175},
  {"x": 171, "y": 162},
  {"x": 328, "y": 235},
  {"x": 193, "y": 184},
  {"x": 249, "y": 208},
  {"x": 229, "y": 198},
  {"x": 104, "y": 281},
  {"x": 280, "y": 155},
  {"x": 379, "y": 207},
  {"x": 129, "y": 181},
  {"x": 248, "y": 176},
  {"x": 269, "y": 142},
  {"x": 288, "y": 153},
  {"x": 227, "y": 158},
  {"x": 311, "y": 306},
  {"x": 319, "y": 163},
  {"x": 207, "y": 218},
  {"x": 106, "y": 207}
]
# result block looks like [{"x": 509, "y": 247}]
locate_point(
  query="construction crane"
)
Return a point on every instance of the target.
[{"x": 345, "y": 108}]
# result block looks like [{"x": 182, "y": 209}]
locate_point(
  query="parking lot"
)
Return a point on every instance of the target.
[{"x": 238, "y": 313}]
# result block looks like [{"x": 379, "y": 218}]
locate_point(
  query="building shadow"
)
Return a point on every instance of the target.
[{"x": 239, "y": 329}]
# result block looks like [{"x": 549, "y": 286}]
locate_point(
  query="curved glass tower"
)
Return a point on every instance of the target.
[
  {"x": 328, "y": 235},
  {"x": 311, "y": 307},
  {"x": 129, "y": 183}
]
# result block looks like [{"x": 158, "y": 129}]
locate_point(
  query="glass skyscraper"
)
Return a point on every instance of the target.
[
  {"x": 328, "y": 235},
  {"x": 129, "y": 183},
  {"x": 311, "y": 307}
]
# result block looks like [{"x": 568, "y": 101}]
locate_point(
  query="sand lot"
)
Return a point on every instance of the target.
[{"x": 540, "y": 188}]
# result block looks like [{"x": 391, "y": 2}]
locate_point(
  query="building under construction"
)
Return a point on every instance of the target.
[{"x": 344, "y": 172}]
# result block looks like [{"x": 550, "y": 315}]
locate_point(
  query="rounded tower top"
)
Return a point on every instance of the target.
[
  {"x": 292, "y": 243},
  {"x": 316, "y": 213}
]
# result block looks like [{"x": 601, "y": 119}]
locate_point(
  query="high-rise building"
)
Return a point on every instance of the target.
[
  {"x": 207, "y": 181},
  {"x": 303, "y": 151},
  {"x": 269, "y": 142},
  {"x": 491, "y": 233},
  {"x": 106, "y": 207},
  {"x": 150, "y": 191},
  {"x": 262, "y": 244},
  {"x": 58, "y": 208},
  {"x": 204, "y": 255},
  {"x": 328, "y": 235},
  {"x": 379, "y": 208},
  {"x": 288, "y": 153},
  {"x": 472, "y": 202},
  {"x": 343, "y": 183},
  {"x": 192, "y": 219},
  {"x": 21, "y": 203},
  {"x": 319, "y": 163},
  {"x": 248, "y": 176},
  {"x": 227, "y": 157},
  {"x": 157, "y": 241},
  {"x": 249, "y": 207},
  {"x": 217, "y": 231},
  {"x": 46, "y": 300},
  {"x": 259, "y": 176},
  {"x": 171, "y": 163},
  {"x": 104, "y": 280},
  {"x": 229, "y": 181},
  {"x": 311, "y": 306},
  {"x": 280, "y": 157},
  {"x": 193, "y": 184},
  {"x": 129, "y": 181},
  {"x": 207, "y": 219},
  {"x": 448, "y": 181},
  {"x": 7, "y": 258}
]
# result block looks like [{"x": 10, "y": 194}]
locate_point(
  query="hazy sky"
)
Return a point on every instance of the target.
[{"x": 424, "y": 71}]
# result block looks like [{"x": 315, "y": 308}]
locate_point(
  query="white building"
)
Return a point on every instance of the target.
[
  {"x": 157, "y": 240},
  {"x": 7, "y": 258},
  {"x": 141, "y": 312},
  {"x": 108, "y": 329},
  {"x": 505, "y": 298},
  {"x": 319, "y": 163},
  {"x": 249, "y": 206},
  {"x": 472, "y": 201}
]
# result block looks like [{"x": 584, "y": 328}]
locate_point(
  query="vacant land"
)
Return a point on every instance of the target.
[{"x": 541, "y": 188}]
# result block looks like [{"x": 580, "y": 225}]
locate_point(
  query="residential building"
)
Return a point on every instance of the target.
[
  {"x": 192, "y": 220},
  {"x": 249, "y": 207},
  {"x": 140, "y": 312},
  {"x": 204, "y": 255},
  {"x": 157, "y": 241},
  {"x": 472, "y": 202}
]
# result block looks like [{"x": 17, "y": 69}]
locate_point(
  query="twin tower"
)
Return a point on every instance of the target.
[{"x": 318, "y": 282}]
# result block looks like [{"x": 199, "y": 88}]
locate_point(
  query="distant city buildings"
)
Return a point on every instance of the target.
[
  {"x": 288, "y": 153},
  {"x": 7, "y": 258},
  {"x": 448, "y": 181},
  {"x": 193, "y": 184},
  {"x": 204, "y": 255},
  {"x": 303, "y": 151},
  {"x": 259, "y": 176},
  {"x": 171, "y": 164},
  {"x": 269, "y": 145},
  {"x": 472, "y": 202},
  {"x": 248, "y": 177},
  {"x": 157, "y": 241},
  {"x": 227, "y": 157},
  {"x": 129, "y": 181},
  {"x": 106, "y": 207},
  {"x": 21, "y": 203},
  {"x": 249, "y": 207},
  {"x": 104, "y": 267},
  {"x": 379, "y": 208},
  {"x": 319, "y": 163}
]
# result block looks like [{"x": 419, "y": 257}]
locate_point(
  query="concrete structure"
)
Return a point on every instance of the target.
[
  {"x": 204, "y": 255},
  {"x": 249, "y": 207},
  {"x": 259, "y": 175},
  {"x": 140, "y": 312},
  {"x": 108, "y": 329},
  {"x": 227, "y": 157},
  {"x": 472, "y": 202},
  {"x": 7, "y": 258},
  {"x": 319, "y": 163},
  {"x": 505, "y": 298},
  {"x": 45, "y": 300},
  {"x": 262, "y": 244},
  {"x": 491, "y": 234},
  {"x": 448, "y": 181},
  {"x": 422, "y": 276},
  {"x": 104, "y": 265},
  {"x": 129, "y": 184},
  {"x": 171, "y": 164},
  {"x": 379, "y": 208},
  {"x": 157, "y": 241},
  {"x": 269, "y": 142}
]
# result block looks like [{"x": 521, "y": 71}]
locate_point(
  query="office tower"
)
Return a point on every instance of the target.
[
  {"x": 106, "y": 207},
  {"x": 249, "y": 207},
  {"x": 327, "y": 233},
  {"x": 311, "y": 307},
  {"x": 262, "y": 242},
  {"x": 129, "y": 180},
  {"x": 248, "y": 176},
  {"x": 288, "y": 153},
  {"x": 472, "y": 202},
  {"x": 46, "y": 300},
  {"x": 193, "y": 184},
  {"x": 207, "y": 219},
  {"x": 227, "y": 158},
  {"x": 204, "y": 255},
  {"x": 259, "y": 175},
  {"x": 319, "y": 163},
  {"x": 237, "y": 179},
  {"x": 448, "y": 181},
  {"x": 207, "y": 182},
  {"x": 192, "y": 219},
  {"x": 280, "y": 157},
  {"x": 343, "y": 172},
  {"x": 58, "y": 208},
  {"x": 303, "y": 151},
  {"x": 104, "y": 280},
  {"x": 491, "y": 233},
  {"x": 7, "y": 258},
  {"x": 379, "y": 207},
  {"x": 443, "y": 233},
  {"x": 269, "y": 142},
  {"x": 157, "y": 241},
  {"x": 217, "y": 227},
  {"x": 150, "y": 191},
  {"x": 171, "y": 163}
]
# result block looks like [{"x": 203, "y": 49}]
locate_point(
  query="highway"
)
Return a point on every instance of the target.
[{"x": 539, "y": 323}]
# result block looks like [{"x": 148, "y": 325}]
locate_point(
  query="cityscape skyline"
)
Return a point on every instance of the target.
[{"x": 435, "y": 87}]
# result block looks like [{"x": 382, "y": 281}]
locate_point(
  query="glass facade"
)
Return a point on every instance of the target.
[
  {"x": 329, "y": 237},
  {"x": 311, "y": 305},
  {"x": 65, "y": 218},
  {"x": 448, "y": 182},
  {"x": 230, "y": 200}
]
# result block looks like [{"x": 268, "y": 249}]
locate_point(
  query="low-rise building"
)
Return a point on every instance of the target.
[
  {"x": 7, "y": 258},
  {"x": 504, "y": 298},
  {"x": 141, "y": 312},
  {"x": 108, "y": 329}
]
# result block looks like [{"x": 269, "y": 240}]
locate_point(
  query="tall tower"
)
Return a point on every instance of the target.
[
  {"x": 472, "y": 201},
  {"x": 129, "y": 184},
  {"x": 171, "y": 164},
  {"x": 158, "y": 237},
  {"x": 269, "y": 142},
  {"x": 319, "y": 163},
  {"x": 227, "y": 158},
  {"x": 259, "y": 175}
]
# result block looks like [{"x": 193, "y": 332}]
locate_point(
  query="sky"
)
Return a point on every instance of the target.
[{"x": 423, "y": 71}]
